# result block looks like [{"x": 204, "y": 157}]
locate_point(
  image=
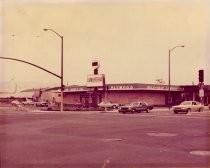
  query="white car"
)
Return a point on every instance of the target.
[
  {"x": 28, "y": 102},
  {"x": 108, "y": 105},
  {"x": 41, "y": 104},
  {"x": 188, "y": 106},
  {"x": 16, "y": 103}
]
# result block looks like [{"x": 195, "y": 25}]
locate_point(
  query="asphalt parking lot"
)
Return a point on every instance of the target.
[{"x": 45, "y": 139}]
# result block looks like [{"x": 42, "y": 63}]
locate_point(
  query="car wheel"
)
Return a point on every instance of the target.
[
  {"x": 188, "y": 111},
  {"x": 175, "y": 112},
  {"x": 147, "y": 111},
  {"x": 200, "y": 109}
]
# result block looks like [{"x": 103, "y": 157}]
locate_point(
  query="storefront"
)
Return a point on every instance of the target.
[
  {"x": 119, "y": 93},
  {"x": 156, "y": 95},
  {"x": 127, "y": 93},
  {"x": 191, "y": 92}
]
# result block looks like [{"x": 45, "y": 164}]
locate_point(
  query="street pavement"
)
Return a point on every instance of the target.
[{"x": 93, "y": 139}]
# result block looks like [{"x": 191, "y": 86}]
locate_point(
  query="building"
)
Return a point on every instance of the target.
[
  {"x": 126, "y": 93},
  {"x": 32, "y": 94}
]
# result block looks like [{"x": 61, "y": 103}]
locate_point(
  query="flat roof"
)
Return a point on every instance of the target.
[{"x": 126, "y": 86}]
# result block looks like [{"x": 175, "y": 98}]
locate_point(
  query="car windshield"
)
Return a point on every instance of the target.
[
  {"x": 134, "y": 104},
  {"x": 105, "y": 103},
  {"x": 185, "y": 103}
]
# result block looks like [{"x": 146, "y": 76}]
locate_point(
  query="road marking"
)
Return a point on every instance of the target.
[
  {"x": 107, "y": 161},
  {"x": 200, "y": 153},
  {"x": 113, "y": 139},
  {"x": 161, "y": 134}
]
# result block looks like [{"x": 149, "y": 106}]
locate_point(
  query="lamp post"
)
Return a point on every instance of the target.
[
  {"x": 62, "y": 86},
  {"x": 169, "y": 74}
]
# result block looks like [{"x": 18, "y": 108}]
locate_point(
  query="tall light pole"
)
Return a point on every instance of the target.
[
  {"x": 169, "y": 74},
  {"x": 62, "y": 86}
]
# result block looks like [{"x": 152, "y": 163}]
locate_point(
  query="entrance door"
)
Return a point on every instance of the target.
[{"x": 90, "y": 99}]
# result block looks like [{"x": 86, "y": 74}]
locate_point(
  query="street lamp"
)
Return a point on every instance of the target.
[
  {"x": 62, "y": 86},
  {"x": 169, "y": 74}
]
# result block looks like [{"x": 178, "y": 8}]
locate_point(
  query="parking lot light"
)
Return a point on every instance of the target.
[
  {"x": 62, "y": 86},
  {"x": 169, "y": 74}
]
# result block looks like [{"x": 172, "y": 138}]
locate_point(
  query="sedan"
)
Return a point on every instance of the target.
[
  {"x": 108, "y": 105},
  {"x": 188, "y": 106},
  {"x": 41, "y": 104},
  {"x": 28, "y": 102},
  {"x": 135, "y": 107}
]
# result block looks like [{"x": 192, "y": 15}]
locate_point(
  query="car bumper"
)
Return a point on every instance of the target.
[
  {"x": 180, "y": 110},
  {"x": 125, "y": 110}
]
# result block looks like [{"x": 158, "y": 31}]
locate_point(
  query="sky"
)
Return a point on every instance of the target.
[{"x": 130, "y": 39}]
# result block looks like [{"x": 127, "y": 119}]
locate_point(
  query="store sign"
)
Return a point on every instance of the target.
[
  {"x": 201, "y": 93},
  {"x": 143, "y": 87},
  {"x": 76, "y": 89},
  {"x": 95, "y": 80},
  {"x": 121, "y": 87},
  {"x": 158, "y": 87}
]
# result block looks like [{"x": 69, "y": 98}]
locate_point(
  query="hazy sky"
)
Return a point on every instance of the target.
[{"x": 130, "y": 39}]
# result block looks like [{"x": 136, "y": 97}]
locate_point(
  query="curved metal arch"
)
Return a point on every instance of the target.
[{"x": 14, "y": 59}]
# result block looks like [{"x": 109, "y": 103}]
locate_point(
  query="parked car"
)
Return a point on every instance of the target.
[
  {"x": 53, "y": 107},
  {"x": 16, "y": 103},
  {"x": 41, "y": 104},
  {"x": 28, "y": 102},
  {"x": 188, "y": 106},
  {"x": 108, "y": 105},
  {"x": 135, "y": 107}
]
